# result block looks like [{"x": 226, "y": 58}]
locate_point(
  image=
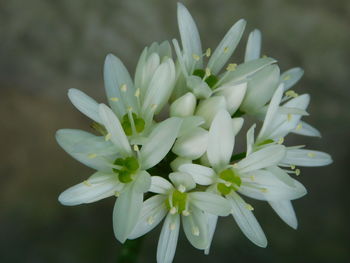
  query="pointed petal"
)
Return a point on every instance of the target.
[
  {"x": 201, "y": 174},
  {"x": 247, "y": 221},
  {"x": 306, "y": 129},
  {"x": 114, "y": 127},
  {"x": 87, "y": 148},
  {"x": 192, "y": 145},
  {"x": 160, "y": 87},
  {"x": 160, "y": 185},
  {"x": 250, "y": 139},
  {"x": 115, "y": 75},
  {"x": 142, "y": 182},
  {"x": 221, "y": 140},
  {"x": 152, "y": 152},
  {"x": 180, "y": 180},
  {"x": 195, "y": 228},
  {"x": 168, "y": 239},
  {"x": 285, "y": 211},
  {"x": 95, "y": 188},
  {"x": 305, "y": 157},
  {"x": 177, "y": 162},
  {"x": 189, "y": 123},
  {"x": 183, "y": 106},
  {"x": 84, "y": 104},
  {"x": 253, "y": 48},
  {"x": 209, "y": 107},
  {"x": 237, "y": 125},
  {"x": 226, "y": 47},
  {"x": 210, "y": 203},
  {"x": 212, "y": 221},
  {"x": 234, "y": 95},
  {"x": 153, "y": 211},
  {"x": 190, "y": 39},
  {"x": 290, "y": 77},
  {"x": 268, "y": 156},
  {"x": 126, "y": 212}
]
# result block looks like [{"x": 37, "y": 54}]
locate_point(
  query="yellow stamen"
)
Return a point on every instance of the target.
[
  {"x": 291, "y": 93},
  {"x": 231, "y": 67},
  {"x": 297, "y": 172},
  {"x": 195, "y": 57},
  {"x": 114, "y": 99},
  {"x": 92, "y": 155},
  {"x": 208, "y": 52},
  {"x": 86, "y": 182},
  {"x": 299, "y": 126},
  {"x": 123, "y": 88},
  {"x": 249, "y": 207},
  {"x": 280, "y": 140},
  {"x": 137, "y": 92},
  {"x": 225, "y": 49},
  {"x": 108, "y": 137}
]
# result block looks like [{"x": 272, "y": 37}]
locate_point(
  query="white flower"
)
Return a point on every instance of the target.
[
  {"x": 174, "y": 202},
  {"x": 134, "y": 104},
  {"x": 121, "y": 166},
  {"x": 251, "y": 176},
  {"x": 205, "y": 81}
]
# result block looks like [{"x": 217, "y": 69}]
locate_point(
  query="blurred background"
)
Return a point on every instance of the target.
[{"x": 47, "y": 47}]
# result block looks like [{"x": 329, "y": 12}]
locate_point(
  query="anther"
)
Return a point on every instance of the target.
[
  {"x": 292, "y": 166},
  {"x": 173, "y": 210},
  {"x": 207, "y": 72},
  {"x": 87, "y": 183},
  {"x": 136, "y": 148},
  {"x": 114, "y": 99},
  {"x": 154, "y": 106},
  {"x": 280, "y": 140},
  {"x": 249, "y": 207},
  {"x": 291, "y": 93},
  {"x": 225, "y": 49},
  {"x": 289, "y": 116},
  {"x": 137, "y": 92},
  {"x": 228, "y": 184},
  {"x": 195, "y": 231},
  {"x": 287, "y": 77},
  {"x": 123, "y": 88},
  {"x": 182, "y": 188},
  {"x": 299, "y": 126},
  {"x": 108, "y": 137},
  {"x": 92, "y": 155},
  {"x": 150, "y": 220},
  {"x": 208, "y": 52},
  {"x": 195, "y": 57},
  {"x": 231, "y": 67},
  {"x": 185, "y": 213},
  {"x": 297, "y": 172},
  {"x": 116, "y": 194}
]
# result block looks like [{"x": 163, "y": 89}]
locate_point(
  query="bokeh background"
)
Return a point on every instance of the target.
[{"x": 47, "y": 47}]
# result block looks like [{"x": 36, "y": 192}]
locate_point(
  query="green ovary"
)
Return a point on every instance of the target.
[
  {"x": 232, "y": 179},
  {"x": 211, "y": 80},
  {"x": 129, "y": 167},
  {"x": 127, "y": 126},
  {"x": 179, "y": 200}
]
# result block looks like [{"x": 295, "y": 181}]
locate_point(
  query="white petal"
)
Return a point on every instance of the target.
[
  {"x": 168, "y": 239},
  {"x": 201, "y": 174},
  {"x": 221, "y": 140},
  {"x": 226, "y": 47},
  {"x": 91, "y": 190},
  {"x": 177, "y": 162},
  {"x": 268, "y": 156},
  {"x": 212, "y": 220},
  {"x": 209, "y": 107},
  {"x": 210, "y": 203},
  {"x": 180, "y": 180},
  {"x": 247, "y": 221},
  {"x": 87, "y": 148},
  {"x": 192, "y": 145},
  {"x": 305, "y": 157},
  {"x": 196, "y": 229},
  {"x": 126, "y": 212},
  {"x": 190, "y": 39},
  {"x": 160, "y": 185},
  {"x": 247, "y": 69},
  {"x": 306, "y": 129},
  {"x": 142, "y": 182},
  {"x": 270, "y": 114},
  {"x": 290, "y": 77},
  {"x": 183, "y": 106},
  {"x": 160, "y": 87},
  {"x": 253, "y": 48},
  {"x": 84, "y": 104},
  {"x": 116, "y": 75},
  {"x": 285, "y": 210},
  {"x": 237, "y": 125},
  {"x": 199, "y": 87},
  {"x": 189, "y": 123},
  {"x": 261, "y": 88},
  {"x": 233, "y": 95},
  {"x": 250, "y": 140},
  {"x": 264, "y": 185},
  {"x": 159, "y": 142},
  {"x": 153, "y": 211}
]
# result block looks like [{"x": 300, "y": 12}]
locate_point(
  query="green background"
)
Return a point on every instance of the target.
[{"x": 47, "y": 47}]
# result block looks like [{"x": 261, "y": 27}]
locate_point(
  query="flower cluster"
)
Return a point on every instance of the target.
[{"x": 164, "y": 147}]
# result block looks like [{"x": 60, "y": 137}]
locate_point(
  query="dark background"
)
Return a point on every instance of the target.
[{"x": 47, "y": 47}]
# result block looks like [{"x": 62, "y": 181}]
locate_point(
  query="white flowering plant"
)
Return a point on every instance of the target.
[{"x": 163, "y": 147}]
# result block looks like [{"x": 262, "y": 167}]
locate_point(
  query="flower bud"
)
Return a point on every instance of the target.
[{"x": 183, "y": 106}]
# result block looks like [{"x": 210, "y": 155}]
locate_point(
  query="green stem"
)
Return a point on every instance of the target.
[{"x": 130, "y": 251}]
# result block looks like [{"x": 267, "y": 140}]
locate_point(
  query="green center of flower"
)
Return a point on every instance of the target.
[
  {"x": 131, "y": 122},
  {"x": 232, "y": 181},
  {"x": 127, "y": 168},
  {"x": 211, "y": 80},
  {"x": 177, "y": 202}
]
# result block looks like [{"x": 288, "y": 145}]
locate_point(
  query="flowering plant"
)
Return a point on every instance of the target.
[{"x": 164, "y": 147}]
